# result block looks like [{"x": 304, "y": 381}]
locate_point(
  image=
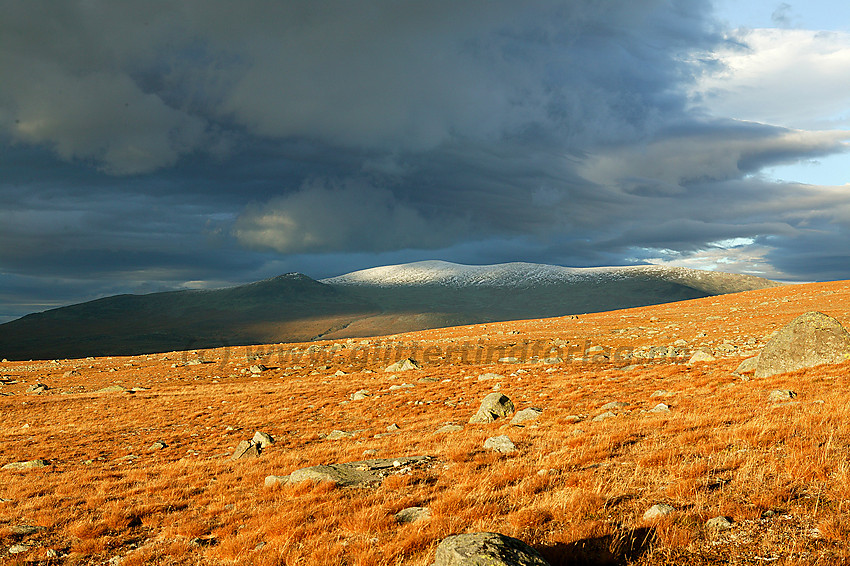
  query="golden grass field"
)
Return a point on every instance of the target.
[{"x": 576, "y": 490}]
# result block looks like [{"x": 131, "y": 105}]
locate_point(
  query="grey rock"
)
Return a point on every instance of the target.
[
  {"x": 402, "y": 386},
  {"x": 811, "y": 339},
  {"x": 660, "y": 408},
  {"x": 526, "y": 415},
  {"x": 486, "y": 549},
  {"x": 28, "y": 465},
  {"x": 509, "y": 360},
  {"x": 494, "y": 406},
  {"x": 257, "y": 368},
  {"x": 339, "y": 435},
  {"x": 780, "y": 395},
  {"x": 718, "y": 524},
  {"x": 112, "y": 389},
  {"x": 363, "y": 473},
  {"x": 19, "y": 548},
  {"x": 24, "y": 530},
  {"x": 657, "y": 512},
  {"x": 603, "y": 416},
  {"x": 490, "y": 376},
  {"x": 158, "y": 445},
  {"x": 272, "y": 481},
  {"x": 360, "y": 395},
  {"x": 244, "y": 450},
  {"x": 701, "y": 356},
  {"x": 412, "y": 514},
  {"x": 402, "y": 365},
  {"x": 501, "y": 444},
  {"x": 448, "y": 429},
  {"x": 553, "y": 360},
  {"x": 262, "y": 440},
  {"x": 747, "y": 366},
  {"x": 37, "y": 388},
  {"x": 614, "y": 405}
]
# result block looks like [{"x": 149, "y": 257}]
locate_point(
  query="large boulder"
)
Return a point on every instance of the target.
[
  {"x": 811, "y": 339},
  {"x": 493, "y": 406},
  {"x": 486, "y": 549}
]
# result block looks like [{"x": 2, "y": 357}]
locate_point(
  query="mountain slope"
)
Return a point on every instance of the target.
[
  {"x": 287, "y": 307},
  {"x": 383, "y": 300}
]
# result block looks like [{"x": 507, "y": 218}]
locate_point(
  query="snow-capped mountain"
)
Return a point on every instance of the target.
[{"x": 524, "y": 275}]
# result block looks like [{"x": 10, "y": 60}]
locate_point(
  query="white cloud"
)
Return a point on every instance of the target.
[{"x": 787, "y": 77}]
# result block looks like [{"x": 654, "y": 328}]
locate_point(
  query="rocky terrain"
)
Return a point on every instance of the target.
[
  {"x": 639, "y": 436},
  {"x": 373, "y": 302}
]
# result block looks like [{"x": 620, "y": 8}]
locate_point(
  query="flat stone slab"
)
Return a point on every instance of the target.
[
  {"x": 30, "y": 465},
  {"x": 354, "y": 474}
]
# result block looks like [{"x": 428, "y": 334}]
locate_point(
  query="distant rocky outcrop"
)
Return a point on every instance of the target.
[
  {"x": 490, "y": 549},
  {"x": 811, "y": 339}
]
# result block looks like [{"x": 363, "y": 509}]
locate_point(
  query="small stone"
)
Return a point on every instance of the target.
[
  {"x": 112, "y": 389},
  {"x": 490, "y": 376},
  {"x": 614, "y": 405},
  {"x": 393, "y": 427},
  {"x": 402, "y": 365},
  {"x": 29, "y": 465},
  {"x": 360, "y": 395},
  {"x": 526, "y": 415},
  {"x": 501, "y": 444},
  {"x": 245, "y": 449},
  {"x": 340, "y": 373},
  {"x": 660, "y": 408},
  {"x": 780, "y": 395},
  {"x": 272, "y": 481},
  {"x": 701, "y": 356},
  {"x": 448, "y": 429},
  {"x": 24, "y": 530},
  {"x": 718, "y": 524},
  {"x": 262, "y": 440},
  {"x": 19, "y": 548},
  {"x": 412, "y": 514},
  {"x": 339, "y": 435},
  {"x": 603, "y": 416},
  {"x": 508, "y": 360},
  {"x": 257, "y": 368},
  {"x": 158, "y": 445},
  {"x": 657, "y": 512}
]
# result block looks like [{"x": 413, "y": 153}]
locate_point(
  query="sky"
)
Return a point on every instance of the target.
[{"x": 152, "y": 145}]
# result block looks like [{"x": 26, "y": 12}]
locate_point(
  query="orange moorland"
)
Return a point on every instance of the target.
[{"x": 140, "y": 473}]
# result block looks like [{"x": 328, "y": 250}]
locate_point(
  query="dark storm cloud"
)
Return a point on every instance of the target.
[{"x": 148, "y": 144}]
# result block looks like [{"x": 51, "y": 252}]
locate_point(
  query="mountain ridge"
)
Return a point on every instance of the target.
[{"x": 376, "y": 301}]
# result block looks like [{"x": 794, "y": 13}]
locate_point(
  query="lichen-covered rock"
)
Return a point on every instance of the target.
[
  {"x": 486, "y": 549},
  {"x": 811, "y": 339}
]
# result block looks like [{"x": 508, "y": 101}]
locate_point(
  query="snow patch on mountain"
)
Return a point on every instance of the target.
[{"x": 516, "y": 274}]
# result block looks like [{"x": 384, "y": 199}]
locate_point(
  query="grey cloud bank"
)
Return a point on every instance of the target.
[{"x": 155, "y": 145}]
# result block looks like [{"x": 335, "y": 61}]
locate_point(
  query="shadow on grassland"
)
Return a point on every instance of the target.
[{"x": 609, "y": 550}]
